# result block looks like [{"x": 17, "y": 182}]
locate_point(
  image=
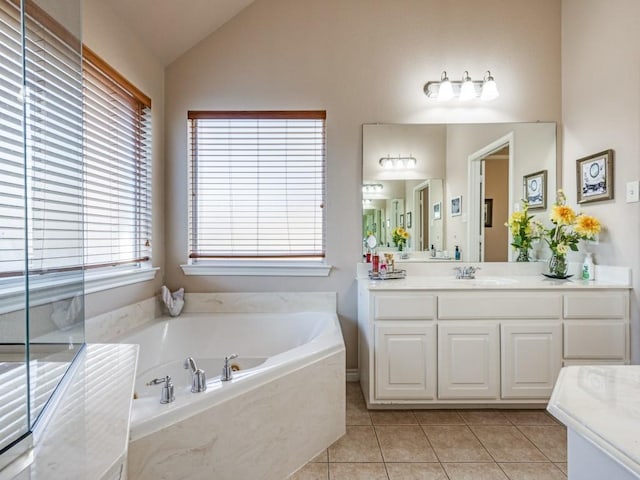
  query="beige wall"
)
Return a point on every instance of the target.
[
  {"x": 105, "y": 34},
  {"x": 601, "y": 110},
  {"x": 363, "y": 61}
]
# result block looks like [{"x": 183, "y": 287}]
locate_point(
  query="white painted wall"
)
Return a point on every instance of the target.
[
  {"x": 363, "y": 62},
  {"x": 106, "y": 35},
  {"x": 601, "y": 110}
]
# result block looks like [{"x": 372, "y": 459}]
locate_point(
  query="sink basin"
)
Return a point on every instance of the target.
[{"x": 489, "y": 281}]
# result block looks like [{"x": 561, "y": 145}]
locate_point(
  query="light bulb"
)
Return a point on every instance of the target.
[
  {"x": 467, "y": 92},
  {"x": 446, "y": 89},
  {"x": 489, "y": 88}
]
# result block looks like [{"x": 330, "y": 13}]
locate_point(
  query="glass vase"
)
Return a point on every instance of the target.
[
  {"x": 523, "y": 255},
  {"x": 558, "y": 265},
  {"x": 400, "y": 246}
]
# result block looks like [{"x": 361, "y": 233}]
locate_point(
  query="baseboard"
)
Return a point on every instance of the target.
[{"x": 353, "y": 375}]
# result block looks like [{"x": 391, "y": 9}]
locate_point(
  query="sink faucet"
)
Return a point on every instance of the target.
[
  {"x": 227, "y": 371},
  {"x": 468, "y": 273},
  {"x": 166, "y": 395},
  {"x": 198, "y": 377}
]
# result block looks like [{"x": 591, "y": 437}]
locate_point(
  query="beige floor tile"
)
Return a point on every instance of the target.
[
  {"x": 484, "y": 417},
  {"x": 532, "y": 471},
  {"x": 312, "y": 471},
  {"x": 507, "y": 444},
  {"x": 529, "y": 417},
  {"x": 474, "y": 471},
  {"x": 551, "y": 440},
  {"x": 456, "y": 443},
  {"x": 438, "y": 417},
  {"x": 415, "y": 471},
  {"x": 404, "y": 443},
  {"x": 357, "y": 471},
  {"x": 321, "y": 457},
  {"x": 562, "y": 466},
  {"x": 393, "y": 417},
  {"x": 356, "y": 411},
  {"x": 359, "y": 444}
]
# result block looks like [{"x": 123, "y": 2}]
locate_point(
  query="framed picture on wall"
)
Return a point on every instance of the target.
[
  {"x": 594, "y": 177},
  {"x": 402, "y": 220},
  {"x": 488, "y": 212},
  {"x": 408, "y": 219},
  {"x": 535, "y": 190},
  {"x": 456, "y": 206},
  {"x": 437, "y": 210}
]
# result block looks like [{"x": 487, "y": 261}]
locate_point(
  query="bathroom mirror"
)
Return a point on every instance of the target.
[{"x": 452, "y": 184}]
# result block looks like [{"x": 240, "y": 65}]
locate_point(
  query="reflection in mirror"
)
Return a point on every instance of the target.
[{"x": 483, "y": 164}]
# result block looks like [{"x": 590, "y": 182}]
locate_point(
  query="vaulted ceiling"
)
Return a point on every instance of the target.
[{"x": 171, "y": 27}]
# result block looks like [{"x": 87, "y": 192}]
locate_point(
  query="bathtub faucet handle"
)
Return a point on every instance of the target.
[
  {"x": 166, "y": 395},
  {"x": 227, "y": 371}
]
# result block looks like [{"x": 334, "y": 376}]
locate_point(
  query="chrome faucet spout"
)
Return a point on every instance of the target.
[
  {"x": 227, "y": 371},
  {"x": 198, "y": 376},
  {"x": 468, "y": 273}
]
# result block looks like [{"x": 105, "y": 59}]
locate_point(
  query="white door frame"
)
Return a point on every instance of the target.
[{"x": 475, "y": 229}]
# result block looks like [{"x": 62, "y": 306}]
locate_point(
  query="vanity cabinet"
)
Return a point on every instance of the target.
[
  {"x": 468, "y": 361},
  {"x": 484, "y": 346}
]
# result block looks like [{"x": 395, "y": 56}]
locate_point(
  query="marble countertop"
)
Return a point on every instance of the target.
[
  {"x": 494, "y": 276},
  {"x": 602, "y": 403}
]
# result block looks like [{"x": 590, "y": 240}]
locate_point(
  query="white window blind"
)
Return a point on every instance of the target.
[
  {"x": 49, "y": 169},
  {"x": 257, "y": 184},
  {"x": 117, "y": 131},
  {"x": 12, "y": 223}
]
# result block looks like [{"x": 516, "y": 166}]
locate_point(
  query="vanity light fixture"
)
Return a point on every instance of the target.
[
  {"x": 398, "y": 162},
  {"x": 372, "y": 188},
  {"x": 466, "y": 89}
]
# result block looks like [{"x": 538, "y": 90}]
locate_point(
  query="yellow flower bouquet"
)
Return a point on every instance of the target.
[
  {"x": 524, "y": 230},
  {"x": 568, "y": 229},
  {"x": 400, "y": 236}
]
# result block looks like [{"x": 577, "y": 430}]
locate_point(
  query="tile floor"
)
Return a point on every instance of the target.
[{"x": 442, "y": 445}]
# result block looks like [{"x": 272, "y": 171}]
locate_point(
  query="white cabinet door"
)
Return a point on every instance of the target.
[
  {"x": 468, "y": 361},
  {"x": 531, "y": 358},
  {"x": 405, "y": 359}
]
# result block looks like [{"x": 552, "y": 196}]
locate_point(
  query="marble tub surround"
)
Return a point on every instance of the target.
[
  {"x": 236, "y": 439},
  {"x": 269, "y": 302},
  {"x": 86, "y": 431},
  {"x": 600, "y": 406},
  {"x": 106, "y": 327}
]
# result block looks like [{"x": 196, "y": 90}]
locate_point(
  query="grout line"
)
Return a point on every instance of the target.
[
  {"x": 375, "y": 432},
  {"x": 532, "y": 442}
]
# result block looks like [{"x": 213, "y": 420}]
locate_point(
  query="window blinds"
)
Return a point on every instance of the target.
[
  {"x": 257, "y": 184},
  {"x": 117, "y": 139},
  {"x": 42, "y": 110}
]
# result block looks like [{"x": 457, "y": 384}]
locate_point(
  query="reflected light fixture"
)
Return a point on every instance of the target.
[
  {"x": 372, "y": 188},
  {"x": 464, "y": 90},
  {"x": 398, "y": 162}
]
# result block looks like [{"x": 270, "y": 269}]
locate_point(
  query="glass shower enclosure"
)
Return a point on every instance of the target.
[{"x": 41, "y": 209}]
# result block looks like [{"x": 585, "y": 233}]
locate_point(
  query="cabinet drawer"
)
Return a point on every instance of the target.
[
  {"x": 595, "y": 305},
  {"x": 491, "y": 305},
  {"x": 595, "y": 339},
  {"x": 404, "y": 307}
]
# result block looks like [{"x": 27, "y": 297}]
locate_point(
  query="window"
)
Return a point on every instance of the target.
[
  {"x": 74, "y": 155},
  {"x": 117, "y": 139},
  {"x": 257, "y": 185}
]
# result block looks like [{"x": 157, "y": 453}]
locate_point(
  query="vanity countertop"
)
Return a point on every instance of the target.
[
  {"x": 495, "y": 276},
  {"x": 602, "y": 404},
  {"x": 523, "y": 282}
]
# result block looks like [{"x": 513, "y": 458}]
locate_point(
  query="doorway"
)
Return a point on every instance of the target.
[{"x": 491, "y": 194}]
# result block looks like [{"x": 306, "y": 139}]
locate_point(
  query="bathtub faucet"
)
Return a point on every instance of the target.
[
  {"x": 198, "y": 377},
  {"x": 166, "y": 395},
  {"x": 227, "y": 371}
]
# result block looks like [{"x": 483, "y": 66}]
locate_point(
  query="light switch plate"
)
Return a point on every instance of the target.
[{"x": 633, "y": 195}]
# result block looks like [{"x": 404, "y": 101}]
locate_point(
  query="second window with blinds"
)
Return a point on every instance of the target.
[{"x": 256, "y": 189}]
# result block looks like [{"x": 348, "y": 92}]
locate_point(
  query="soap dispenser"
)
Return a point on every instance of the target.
[
  {"x": 588, "y": 268},
  {"x": 457, "y": 253}
]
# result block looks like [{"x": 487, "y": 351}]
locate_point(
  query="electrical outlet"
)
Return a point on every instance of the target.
[{"x": 632, "y": 191}]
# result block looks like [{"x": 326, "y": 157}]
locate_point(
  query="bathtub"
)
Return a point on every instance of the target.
[{"x": 284, "y": 405}]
